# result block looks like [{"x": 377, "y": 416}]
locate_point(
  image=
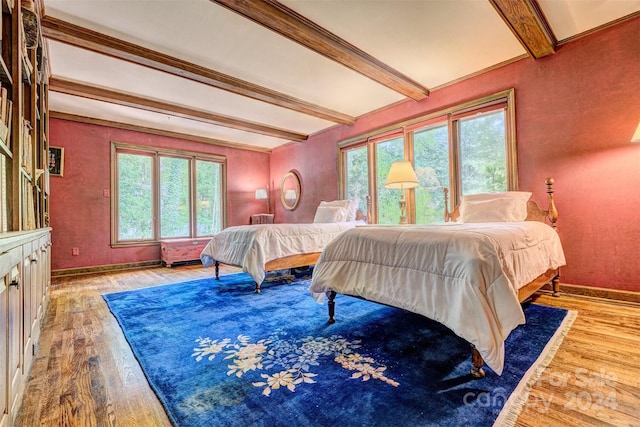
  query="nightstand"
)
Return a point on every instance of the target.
[{"x": 261, "y": 219}]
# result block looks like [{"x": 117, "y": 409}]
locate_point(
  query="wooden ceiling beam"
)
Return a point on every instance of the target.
[
  {"x": 288, "y": 23},
  {"x": 528, "y": 24},
  {"x": 120, "y": 98},
  {"x": 74, "y": 35},
  {"x": 153, "y": 131}
]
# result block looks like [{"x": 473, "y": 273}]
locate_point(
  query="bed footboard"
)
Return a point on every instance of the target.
[
  {"x": 550, "y": 276},
  {"x": 476, "y": 359},
  {"x": 293, "y": 261}
]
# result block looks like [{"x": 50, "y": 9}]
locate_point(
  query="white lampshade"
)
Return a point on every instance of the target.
[
  {"x": 636, "y": 135},
  {"x": 401, "y": 176},
  {"x": 261, "y": 194}
]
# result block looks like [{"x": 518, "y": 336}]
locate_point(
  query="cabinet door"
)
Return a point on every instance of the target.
[
  {"x": 15, "y": 335},
  {"x": 4, "y": 353},
  {"x": 37, "y": 288},
  {"x": 27, "y": 306},
  {"x": 45, "y": 268},
  {"x": 10, "y": 333}
]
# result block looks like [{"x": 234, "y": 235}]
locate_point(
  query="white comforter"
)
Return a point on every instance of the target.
[
  {"x": 252, "y": 246},
  {"x": 465, "y": 276}
]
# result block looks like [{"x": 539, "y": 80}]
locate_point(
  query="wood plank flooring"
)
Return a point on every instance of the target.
[{"x": 85, "y": 374}]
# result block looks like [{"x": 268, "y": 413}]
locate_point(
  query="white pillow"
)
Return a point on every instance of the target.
[
  {"x": 331, "y": 214},
  {"x": 493, "y": 207},
  {"x": 351, "y": 205},
  {"x": 353, "y": 208},
  {"x": 494, "y": 210}
]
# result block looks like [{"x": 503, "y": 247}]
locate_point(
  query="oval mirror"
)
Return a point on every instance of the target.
[{"x": 290, "y": 190}]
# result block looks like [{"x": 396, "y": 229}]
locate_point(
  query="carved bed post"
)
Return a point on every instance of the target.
[
  {"x": 555, "y": 285},
  {"x": 447, "y": 215},
  {"x": 477, "y": 362},
  {"x": 552, "y": 214},
  {"x": 552, "y": 211},
  {"x": 332, "y": 307},
  {"x": 217, "y": 270}
]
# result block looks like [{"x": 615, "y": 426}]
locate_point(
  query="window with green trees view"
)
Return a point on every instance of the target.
[
  {"x": 165, "y": 194},
  {"x": 467, "y": 149}
]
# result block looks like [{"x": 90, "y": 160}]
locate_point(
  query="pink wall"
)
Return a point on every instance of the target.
[
  {"x": 575, "y": 114},
  {"x": 80, "y": 214}
]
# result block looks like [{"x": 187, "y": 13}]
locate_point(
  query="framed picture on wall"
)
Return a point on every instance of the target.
[{"x": 56, "y": 161}]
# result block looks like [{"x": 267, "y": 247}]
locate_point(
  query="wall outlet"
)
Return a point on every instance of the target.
[
  {"x": 105, "y": 192},
  {"x": 75, "y": 251}
]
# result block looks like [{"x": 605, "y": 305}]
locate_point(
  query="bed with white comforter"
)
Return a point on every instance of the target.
[
  {"x": 253, "y": 246},
  {"x": 465, "y": 276}
]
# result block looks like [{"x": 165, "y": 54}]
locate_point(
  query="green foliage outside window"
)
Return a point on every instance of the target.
[
  {"x": 135, "y": 197},
  {"x": 357, "y": 179},
  {"x": 482, "y": 153},
  {"x": 175, "y": 208},
  {"x": 431, "y": 163},
  {"x": 388, "y": 152},
  {"x": 183, "y": 210},
  {"x": 209, "y": 197}
]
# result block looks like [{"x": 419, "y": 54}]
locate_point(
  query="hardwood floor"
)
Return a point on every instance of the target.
[{"x": 85, "y": 374}]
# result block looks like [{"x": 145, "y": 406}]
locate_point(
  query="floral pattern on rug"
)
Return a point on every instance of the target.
[{"x": 288, "y": 363}]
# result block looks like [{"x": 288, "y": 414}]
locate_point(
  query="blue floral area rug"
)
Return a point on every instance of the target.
[{"x": 217, "y": 354}]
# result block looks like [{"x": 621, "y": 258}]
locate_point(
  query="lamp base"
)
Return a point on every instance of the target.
[{"x": 403, "y": 209}]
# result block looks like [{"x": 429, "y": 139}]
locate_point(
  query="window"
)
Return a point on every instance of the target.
[
  {"x": 165, "y": 194},
  {"x": 387, "y": 152},
  {"x": 483, "y": 152},
  {"x": 356, "y": 161},
  {"x": 175, "y": 209},
  {"x": 431, "y": 163},
  {"x": 467, "y": 149},
  {"x": 209, "y": 197},
  {"x": 135, "y": 197}
]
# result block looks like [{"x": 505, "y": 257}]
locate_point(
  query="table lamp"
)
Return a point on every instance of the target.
[{"x": 402, "y": 176}]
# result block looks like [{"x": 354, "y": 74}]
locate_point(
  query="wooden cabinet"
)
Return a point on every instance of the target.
[
  {"x": 24, "y": 285},
  {"x": 181, "y": 250}
]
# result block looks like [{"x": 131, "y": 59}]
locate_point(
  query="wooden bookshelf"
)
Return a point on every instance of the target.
[
  {"x": 25, "y": 256},
  {"x": 23, "y": 132}
]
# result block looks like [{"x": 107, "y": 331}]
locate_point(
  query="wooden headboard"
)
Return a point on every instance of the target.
[
  {"x": 534, "y": 212},
  {"x": 360, "y": 216}
]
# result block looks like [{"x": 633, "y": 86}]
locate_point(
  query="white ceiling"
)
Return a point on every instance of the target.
[{"x": 431, "y": 41}]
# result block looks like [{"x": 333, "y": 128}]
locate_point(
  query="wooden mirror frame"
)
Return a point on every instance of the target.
[{"x": 290, "y": 181}]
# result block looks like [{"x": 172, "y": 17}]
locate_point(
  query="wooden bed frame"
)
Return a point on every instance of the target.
[
  {"x": 298, "y": 260},
  {"x": 534, "y": 213},
  {"x": 293, "y": 261}
]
